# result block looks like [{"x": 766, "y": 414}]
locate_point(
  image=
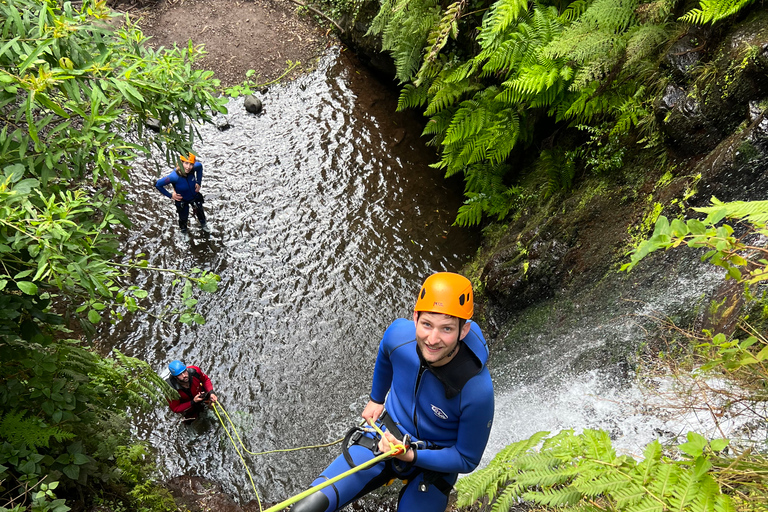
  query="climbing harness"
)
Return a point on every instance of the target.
[{"x": 394, "y": 451}]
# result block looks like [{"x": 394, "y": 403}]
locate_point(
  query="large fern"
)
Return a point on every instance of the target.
[
  {"x": 404, "y": 26},
  {"x": 712, "y": 11},
  {"x": 576, "y": 472},
  {"x": 584, "y": 65}
]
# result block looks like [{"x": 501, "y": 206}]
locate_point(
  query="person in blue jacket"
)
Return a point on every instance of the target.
[
  {"x": 432, "y": 392},
  {"x": 186, "y": 183}
]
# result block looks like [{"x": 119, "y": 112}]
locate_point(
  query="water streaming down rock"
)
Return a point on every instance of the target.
[{"x": 568, "y": 363}]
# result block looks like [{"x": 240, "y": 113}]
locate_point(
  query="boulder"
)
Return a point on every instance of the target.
[{"x": 252, "y": 104}]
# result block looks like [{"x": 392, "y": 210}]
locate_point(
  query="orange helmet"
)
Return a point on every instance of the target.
[
  {"x": 190, "y": 158},
  {"x": 447, "y": 293}
]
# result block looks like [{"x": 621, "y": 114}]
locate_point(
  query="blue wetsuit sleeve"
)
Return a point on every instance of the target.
[
  {"x": 474, "y": 430},
  {"x": 198, "y": 170},
  {"x": 164, "y": 182},
  {"x": 382, "y": 371}
]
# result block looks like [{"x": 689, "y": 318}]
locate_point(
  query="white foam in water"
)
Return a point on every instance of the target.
[
  {"x": 633, "y": 416},
  {"x": 542, "y": 391}
]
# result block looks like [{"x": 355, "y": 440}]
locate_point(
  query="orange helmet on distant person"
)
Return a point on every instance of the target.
[
  {"x": 447, "y": 293},
  {"x": 191, "y": 158}
]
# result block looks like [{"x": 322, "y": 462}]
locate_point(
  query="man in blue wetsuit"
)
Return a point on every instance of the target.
[
  {"x": 431, "y": 387},
  {"x": 186, "y": 191}
]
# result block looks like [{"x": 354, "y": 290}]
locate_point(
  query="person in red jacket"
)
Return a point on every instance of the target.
[{"x": 194, "y": 387}]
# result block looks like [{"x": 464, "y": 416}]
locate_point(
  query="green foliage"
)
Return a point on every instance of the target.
[
  {"x": 559, "y": 168},
  {"x": 404, "y": 26},
  {"x": 249, "y": 85},
  {"x": 73, "y": 90},
  {"x": 75, "y": 93},
  {"x": 587, "y": 66},
  {"x": 741, "y": 261},
  {"x": 582, "y": 472},
  {"x": 712, "y": 11}
]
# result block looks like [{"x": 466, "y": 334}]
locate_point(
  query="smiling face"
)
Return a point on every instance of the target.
[
  {"x": 187, "y": 166},
  {"x": 437, "y": 336}
]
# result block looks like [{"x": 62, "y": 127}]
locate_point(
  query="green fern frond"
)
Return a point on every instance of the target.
[
  {"x": 582, "y": 472},
  {"x": 575, "y": 10},
  {"x": 471, "y": 212},
  {"x": 554, "y": 497},
  {"x": 438, "y": 125},
  {"x": 444, "y": 95},
  {"x": 714, "y": 11},
  {"x": 461, "y": 72},
  {"x": 629, "y": 494},
  {"x": 14, "y": 428},
  {"x": 501, "y": 15},
  {"x": 646, "y": 505},
  {"x": 644, "y": 42},
  {"x": 412, "y": 97},
  {"x": 559, "y": 169},
  {"x": 404, "y": 26},
  {"x": 447, "y": 27},
  {"x": 469, "y": 119},
  {"x": 755, "y": 212},
  {"x": 506, "y": 499}
]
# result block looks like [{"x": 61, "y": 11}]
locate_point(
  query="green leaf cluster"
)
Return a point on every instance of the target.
[
  {"x": 741, "y": 261},
  {"x": 76, "y": 90},
  {"x": 582, "y": 472},
  {"x": 488, "y": 74}
]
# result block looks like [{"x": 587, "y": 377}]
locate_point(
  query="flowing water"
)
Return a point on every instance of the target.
[{"x": 326, "y": 217}]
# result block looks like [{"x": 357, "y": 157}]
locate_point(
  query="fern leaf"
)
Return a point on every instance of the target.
[
  {"x": 554, "y": 497},
  {"x": 446, "y": 27},
  {"x": 714, "y": 11},
  {"x": 471, "y": 212},
  {"x": 574, "y": 10},
  {"x": 501, "y": 15},
  {"x": 646, "y": 505},
  {"x": 446, "y": 94},
  {"x": 752, "y": 211},
  {"x": 14, "y": 427},
  {"x": 412, "y": 97}
]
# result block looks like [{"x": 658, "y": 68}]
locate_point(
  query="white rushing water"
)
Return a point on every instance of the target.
[{"x": 542, "y": 390}]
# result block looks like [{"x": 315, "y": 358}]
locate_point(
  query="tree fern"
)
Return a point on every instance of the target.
[
  {"x": 712, "y": 11},
  {"x": 502, "y": 15},
  {"x": 578, "y": 472}
]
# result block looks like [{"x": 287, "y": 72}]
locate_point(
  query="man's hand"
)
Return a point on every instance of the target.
[
  {"x": 199, "y": 397},
  {"x": 372, "y": 412},
  {"x": 387, "y": 443},
  {"x": 212, "y": 398}
]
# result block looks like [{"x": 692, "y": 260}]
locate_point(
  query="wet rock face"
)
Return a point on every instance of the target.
[
  {"x": 709, "y": 95},
  {"x": 367, "y": 47},
  {"x": 687, "y": 52},
  {"x": 528, "y": 270}
]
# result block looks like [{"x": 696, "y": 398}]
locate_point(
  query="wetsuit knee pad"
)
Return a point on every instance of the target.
[{"x": 315, "y": 502}]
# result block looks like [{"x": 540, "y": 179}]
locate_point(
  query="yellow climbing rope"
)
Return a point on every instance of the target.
[{"x": 396, "y": 450}]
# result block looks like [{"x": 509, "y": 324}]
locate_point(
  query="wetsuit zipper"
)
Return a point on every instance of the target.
[{"x": 422, "y": 368}]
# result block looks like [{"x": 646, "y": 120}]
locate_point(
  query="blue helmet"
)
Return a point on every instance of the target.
[{"x": 176, "y": 367}]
